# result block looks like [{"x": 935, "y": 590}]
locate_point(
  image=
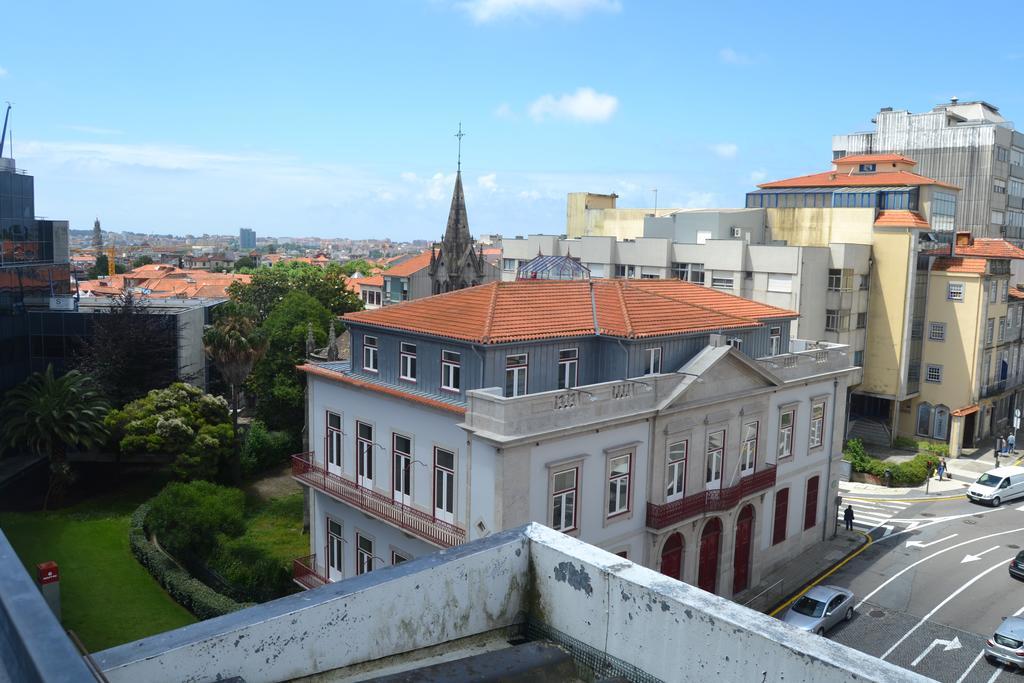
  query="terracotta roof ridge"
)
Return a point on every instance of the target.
[
  {"x": 489, "y": 322},
  {"x": 708, "y": 308},
  {"x": 619, "y": 287}
]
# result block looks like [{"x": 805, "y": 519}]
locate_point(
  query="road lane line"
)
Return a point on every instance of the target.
[
  {"x": 964, "y": 674},
  {"x": 925, "y": 559},
  {"x": 995, "y": 674},
  {"x": 942, "y": 604}
]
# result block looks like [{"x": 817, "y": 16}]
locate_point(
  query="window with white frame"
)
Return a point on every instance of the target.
[
  {"x": 955, "y": 291},
  {"x": 713, "y": 456},
  {"x": 989, "y": 330},
  {"x": 774, "y": 341},
  {"x": 451, "y": 370},
  {"x": 722, "y": 279},
  {"x": 748, "y": 448},
  {"x": 619, "y": 468},
  {"x": 999, "y": 186},
  {"x": 444, "y": 485},
  {"x": 407, "y": 362},
  {"x": 993, "y": 292},
  {"x": 508, "y": 264},
  {"x": 1017, "y": 156},
  {"x": 652, "y": 361},
  {"x": 780, "y": 282},
  {"x": 564, "y": 491},
  {"x": 334, "y": 442},
  {"x": 817, "y": 430},
  {"x": 398, "y": 558},
  {"x": 515, "y": 374},
  {"x": 624, "y": 270},
  {"x": 1002, "y": 328},
  {"x": 568, "y": 368},
  {"x": 370, "y": 353},
  {"x": 675, "y": 470},
  {"x": 787, "y": 417},
  {"x": 936, "y": 332},
  {"x": 933, "y": 373},
  {"x": 364, "y": 554},
  {"x": 862, "y": 320},
  {"x": 401, "y": 449},
  {"x": 335, "y": 550},
  {"x": 997, "y": 217},
  {"x": 1016, "y": 187},
  {"x": 364, "y": 455},
  {"x": 1005, "y": 291},
  {"x": 836, "y": 321}
]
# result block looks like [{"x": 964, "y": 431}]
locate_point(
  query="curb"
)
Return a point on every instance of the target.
[
  {"x": 823, "y": 575},
  {"x": 868, "y": 498}
]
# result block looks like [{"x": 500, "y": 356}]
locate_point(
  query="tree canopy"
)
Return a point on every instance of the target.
[
  {"x": 268, "y": 287},
  {"x": 99, "y": 269}
]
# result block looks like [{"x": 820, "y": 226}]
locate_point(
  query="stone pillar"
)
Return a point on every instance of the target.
[{"x": 956, "y": 431}]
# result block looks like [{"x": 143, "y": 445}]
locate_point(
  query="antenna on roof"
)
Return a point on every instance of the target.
[
  {"x": 460, "y": 135},
  {"x": 3, "y": 136}
]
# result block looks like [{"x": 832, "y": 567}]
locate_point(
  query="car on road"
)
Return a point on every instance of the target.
[
  {"x": 820, "y": 608},
  {"x": 995, "y": 486},
  {"x": 1017, "y": 566},
  {"x": 1007, "y": 644}
]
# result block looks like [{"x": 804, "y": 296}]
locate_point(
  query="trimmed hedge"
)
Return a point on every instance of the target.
[
  {"x": 910, "y": 473},
  {"x": 190, "y": 593},
  {"x": 923, "y": 446}
]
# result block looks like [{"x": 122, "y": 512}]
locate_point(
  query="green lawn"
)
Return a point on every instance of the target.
[
  {"x": 107, "y": 597},
  {"x": 276, "y": 526}
]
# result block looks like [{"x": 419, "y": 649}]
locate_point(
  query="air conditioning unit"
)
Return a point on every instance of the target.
[{"x": 737, "y": 232}]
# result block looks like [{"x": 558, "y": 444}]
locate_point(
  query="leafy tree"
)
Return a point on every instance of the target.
[
  {"x": 130, "y": 351},
  {"x": 142, "y": 261},
  {"x": 182, "y": 422},
  {"x": 268, "y": 287},
  {"x": 274, "y": 380},
  {"x": 100, "y": 268},
  {"x": 264, "y": 448},
  {"x": 234, "y": 343},
  {"x": 187, "y": 518},
  {"x": 359, "y": 265},
  {"x": 48, "y": 415},
  {"x": 244, "y": 263}
]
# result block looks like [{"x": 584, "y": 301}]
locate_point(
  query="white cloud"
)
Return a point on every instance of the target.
[
  {"x": 726, "y": 150},
  {"x": 586, "y": 104},
  {"x": 504, "y": 111},
  {"x": 730, "y": 56},
  {"x": 3, "y": 72},
  {"x": 483, "y": 11},
  {"x": 758, "y": 175},
  {"x": 409, "y": 176},
  {"x": 488, "y": 182}
]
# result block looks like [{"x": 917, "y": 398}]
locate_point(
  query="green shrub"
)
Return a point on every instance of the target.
[
  {"x": 913, "y": 472},
  {"x": 264, "y": 448},
  {"x": 187, "y": 518},
  {"x": 193, "y": 595},
  {"x": 252, "y": 571},
  {"x": 904, "y": 442}
]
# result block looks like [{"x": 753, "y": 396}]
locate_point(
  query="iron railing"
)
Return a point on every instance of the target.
[
  {"x": 306, "y": 573},
  {"x": 715, "y": 500},
  {"x": 405, "y": 517}
]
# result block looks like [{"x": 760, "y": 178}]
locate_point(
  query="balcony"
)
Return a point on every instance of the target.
[
  {"x": 807, "y": 359},
  {"x": 405, "y": 517},
  {"x": 716, "y": 500},
  {"x": 307, "y": 574}
]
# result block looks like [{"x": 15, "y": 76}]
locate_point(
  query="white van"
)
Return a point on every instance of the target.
[{"x": 995, "y": 486}]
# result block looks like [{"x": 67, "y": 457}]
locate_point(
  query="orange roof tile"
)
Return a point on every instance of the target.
[
  {"x": 501, "y": 312},
  {"x": 966, "y": 410},
  {"x": 873, "y": 159},
  {"x": 901, "y": 219},
  {"x": 837, "y": 179},
  {"x": 391, "y": 391},
  {"x": 959, "y": 264},
  {"x": 983, "y": 247},
  {"x": 410, "y": 265},
  {"x": 1017, "y": 294}
]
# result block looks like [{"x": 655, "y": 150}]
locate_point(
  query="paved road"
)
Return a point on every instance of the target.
[{"x": 934, "y": 585}]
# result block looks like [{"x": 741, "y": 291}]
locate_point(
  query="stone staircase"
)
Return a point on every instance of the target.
[{"x": 869, "y": 431}]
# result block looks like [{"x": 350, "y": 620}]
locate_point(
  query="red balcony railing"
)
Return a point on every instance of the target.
[
  {"x": 661, "y": 516},
  {"x": 306, "y": 573},
  {"x": 405, "y": 517}
]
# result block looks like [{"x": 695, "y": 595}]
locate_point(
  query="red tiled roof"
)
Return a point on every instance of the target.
[
  {"x": 901, "y": 219},
  {"x": 501, "y": 312},
  {"x": 873, "y": 159},
  {"x": 959, "y": 264},
  {"x": 410, "y": 265},
  {"x": 1017, "y": 294},
  {"x": 982, "y": 247},
  {"x": 356, "y": 284},
  {"x": 966, "y": 410},
  {"x": 391, "y": 391},
  {"x": 837, "y": 179}
]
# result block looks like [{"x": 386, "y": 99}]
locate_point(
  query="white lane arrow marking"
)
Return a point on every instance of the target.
[
  {"x": 920, "y": 544},
  {"x": 949, "y": 645},
  {"x": 1020, "y": 509},
  {"x": 972, "y": 558}
]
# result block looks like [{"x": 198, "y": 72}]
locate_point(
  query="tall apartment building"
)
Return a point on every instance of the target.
[
  {"x": 593, "y": 214},
  {"x": 670, "y": 423},
  {"x": 967, "y": 144},
  {"x": 246, "y": 239}
]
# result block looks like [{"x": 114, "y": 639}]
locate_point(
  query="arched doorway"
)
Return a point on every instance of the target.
[
  {"x": 710, "y": 544},
  {"x": 744, "y": 543},
  {"x": 672, "y": 557}
]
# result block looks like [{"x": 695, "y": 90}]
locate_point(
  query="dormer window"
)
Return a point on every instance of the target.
[{"x": 867, "y": 168}]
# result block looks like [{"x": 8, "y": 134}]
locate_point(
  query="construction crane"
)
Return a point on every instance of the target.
[
  {"x": 3, "y": 137},
  {"x": 110, "y": 261}
]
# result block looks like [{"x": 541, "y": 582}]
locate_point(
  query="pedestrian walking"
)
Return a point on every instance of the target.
[
  {"x": 848, "y": 518},
  {"x": 942, "y": 468},
  {"x": 1011, "y": 442}
]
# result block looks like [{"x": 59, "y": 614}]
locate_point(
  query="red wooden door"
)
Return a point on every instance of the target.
[
  {"x": 672, "y": 557},
  {"x": 741, "y": 559},
  {"x": 707, "y": 574}
]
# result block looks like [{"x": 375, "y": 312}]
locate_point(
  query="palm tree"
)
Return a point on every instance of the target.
[
  {"x": 48, "y": 414},
  {"x": 235, "y": 343}
]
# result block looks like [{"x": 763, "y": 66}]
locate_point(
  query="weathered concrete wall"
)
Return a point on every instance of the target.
[
  {"x": 452, "y": 594},
  {"x": 676, "y": 632}
]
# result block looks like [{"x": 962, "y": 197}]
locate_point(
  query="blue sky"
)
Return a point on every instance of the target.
[{"x": 337, "y": 118}]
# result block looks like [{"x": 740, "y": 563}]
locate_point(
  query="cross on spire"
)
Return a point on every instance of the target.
[{"x": 460, "y": 135}]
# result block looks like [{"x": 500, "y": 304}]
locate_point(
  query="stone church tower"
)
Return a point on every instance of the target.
[{"x": 456, "y": 262}]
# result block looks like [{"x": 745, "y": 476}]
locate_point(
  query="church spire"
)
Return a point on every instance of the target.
[{"x": 458, "y": 222}]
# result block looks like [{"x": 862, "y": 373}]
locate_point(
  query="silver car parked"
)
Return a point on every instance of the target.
[
  {"x": 820, "y": 608},
  {"x": 1007, "y": 644}
]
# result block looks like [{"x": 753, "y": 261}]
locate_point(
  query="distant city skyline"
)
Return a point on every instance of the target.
[{"x": 339, "y": 121}]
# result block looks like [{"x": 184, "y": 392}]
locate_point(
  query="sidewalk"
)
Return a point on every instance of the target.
[
  {"x": 799, "y": 571},
  {"x": 964, "y": 471}
]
